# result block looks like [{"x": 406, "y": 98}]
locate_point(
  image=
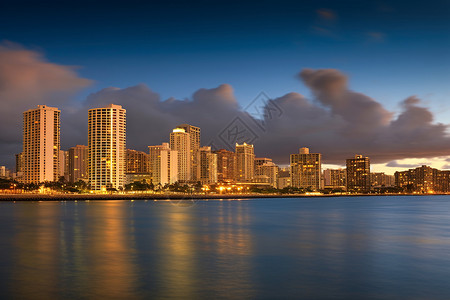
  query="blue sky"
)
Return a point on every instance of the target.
[{"x": 390, "y": 50}]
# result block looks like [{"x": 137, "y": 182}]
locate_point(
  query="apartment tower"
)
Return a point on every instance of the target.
[
  {"x": 107, "y": 142},
  {"x": 194, "y": 135},
  {"x": 358, "y": 174},
  {"x": 41, "y": 144},
  {"x": 163, "y": 164},
  {"x": 306, "y": 170},
  {"x": 245, "y": 162},
  {"x": 180, "y": 141}
]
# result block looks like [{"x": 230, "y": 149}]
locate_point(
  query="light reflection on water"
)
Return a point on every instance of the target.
[{"x": 341, "y": 248}]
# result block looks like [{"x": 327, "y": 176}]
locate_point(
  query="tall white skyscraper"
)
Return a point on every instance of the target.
[
  {"x": 245, "y": 162},
  {"x": 180, "y": 141},
  {"x": 41, "y": 144},
  {"x": 163, "y": 164},
  {"x": 194, "y": 135},
  {"x": 107, "y": 142}
]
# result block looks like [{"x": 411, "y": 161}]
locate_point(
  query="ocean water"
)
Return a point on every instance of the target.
[{"x": 307, "y": 248}]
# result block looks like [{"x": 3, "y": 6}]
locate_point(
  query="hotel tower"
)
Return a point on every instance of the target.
[
  {"x": 41, "y": 144},
  {"x": 245, "y": 162},
  {"x": 180, "y": 141},
  {"x": 107, "y": 142}
]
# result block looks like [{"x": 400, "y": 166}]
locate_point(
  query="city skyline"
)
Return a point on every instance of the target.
[
  {"x": 360, "y": 78},
  {"x": 194, "y": 139}
]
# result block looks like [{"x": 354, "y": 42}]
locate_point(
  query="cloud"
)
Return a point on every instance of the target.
[
  {"x": 396, "y": 164},
  {"x": 336, "y": 122},
  {"x": 26, "y": 80},
  {"x": 375, "y": 36},
  {"x": 326, "y": 14}
]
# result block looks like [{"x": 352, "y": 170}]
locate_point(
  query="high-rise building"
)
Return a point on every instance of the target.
[
  {"x": 107, "y": 142},
  {"x": 245, "y": 162},
  {"x": 41, "y": 144},
  {"x": 226, "y": 165},
  {"x": 358, "y": 174},
  {"x": 335, "y": 178},
  {"x": 78, "y": 163},
  {"x": 180, "y": 141},
  {"x": 306, "y": 170},
  {"x": 423, "y": 179},
  {"x": 136, "y": 162},
  {"x": 19, "y": 162},
  {"x": 194, "y": 135},
  {"x": 266, "y": 171},
  {"x": 208, "y": 165},
  {"x": 163, "y": 164}
]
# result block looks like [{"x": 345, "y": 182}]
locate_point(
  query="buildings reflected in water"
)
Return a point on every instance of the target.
[{"x": 311, "y": 248}]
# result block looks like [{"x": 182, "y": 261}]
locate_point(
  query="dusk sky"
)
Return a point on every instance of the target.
[{"x": 368, "y": 74}]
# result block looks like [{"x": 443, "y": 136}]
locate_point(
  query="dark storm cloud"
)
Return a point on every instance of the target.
[
  {"x": 26, "y": 80},
  {"x": 338, "y": 122}
]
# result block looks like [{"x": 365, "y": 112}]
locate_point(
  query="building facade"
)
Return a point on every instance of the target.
[
  {"x": 306, "y": 170},
  {"x": 226, "y": 165},
  {"x": 194, "y": 136},
  {"x": 78, "y": 163},
  {"x": 137, "y": 162},
  {"x": 245, "y": 162},
  {"x": 423, "y": 179},
  {"x": 208, "y": 165},
  {"x": 358, "y": 174},
  {"x": 180, "y": 141},
  {"x": 163, "y": 165},
  {"x": 107, "y": 147},
  {"x": 335, "y": 178},
  {"x": 41, "y": 144},
  {"x": 267, "y": 172},
  {"x": 381, "y": 179}
]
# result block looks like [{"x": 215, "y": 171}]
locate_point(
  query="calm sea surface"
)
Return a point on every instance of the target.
[{"x": 310, "y": 248}]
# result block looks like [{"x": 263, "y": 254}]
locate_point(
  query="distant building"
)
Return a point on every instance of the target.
[
  {"x": 78, "y": 163},
  {"x": 62, "y": 163},
  {"x": 267, "y": 172},
  {"x": 194, "y": 136},
  {"x": 163, "y": 165},
  {"x": 306, "y": 170},
  {"x": 19, "y": 162},
  {"x": 41, "y": 144},
  {"x": 335, "y": 179},
  {"x": 284, "y": 177},
  {"x": 107, "y": 147},
  {"x": 245, "y": 162},
  {"x": 208, "y": 165},
  {"x": 226, "y": 165},
  {"x": 136, "y": 162},
  {"x": 2, "y": 171},
  {"x": 423, "y": 179},
  {"x": 382, "y": 180},
  {"x": 358, "y": 174}
]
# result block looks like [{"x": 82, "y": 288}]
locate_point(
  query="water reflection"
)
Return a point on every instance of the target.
[{"x": 386, "y": 248}]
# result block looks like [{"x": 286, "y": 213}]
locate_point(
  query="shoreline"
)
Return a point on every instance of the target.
[{"x": 143, "y": 196}]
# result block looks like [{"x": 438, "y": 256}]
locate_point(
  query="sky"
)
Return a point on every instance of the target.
[{"x": 207, "y": 63}]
